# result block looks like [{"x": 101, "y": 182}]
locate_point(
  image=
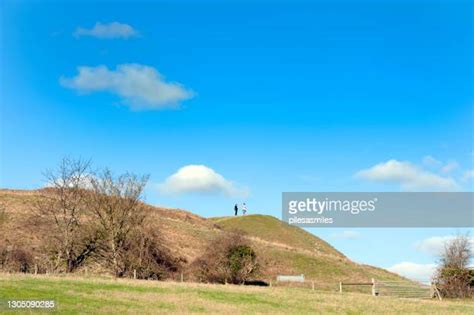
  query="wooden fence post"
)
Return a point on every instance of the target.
[
  {"x": 270, "y": 283},
  {"x": 435, "y": 288},
  {"x": 182, "y": 277},
  {"x": 373, "y": 287},
  {"x": 312, "y": 285},
  {"x": 36, "y": 269},
  {"x": 134, "y": 273},
  {"x": 340, "y": 287}
]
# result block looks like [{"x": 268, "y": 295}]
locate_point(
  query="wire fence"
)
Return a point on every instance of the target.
[
  {"x": 399, "y": 289},
  {"x": 403, "y": 289}
]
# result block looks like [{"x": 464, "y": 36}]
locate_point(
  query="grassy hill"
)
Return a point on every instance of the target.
[
  {"x": 80, "y": 295},
  {"x": 268, "y": 228},
  {"x": 281, "y": 248},
  {"x": 297, "y": 251}
]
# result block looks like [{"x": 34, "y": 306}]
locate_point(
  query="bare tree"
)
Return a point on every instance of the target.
[
  {"x": 457, "y": 252},
  {"x": 453, "y": 275},
  {"x": 62, "y": 205},
  {"x": 116, "y": 206}
]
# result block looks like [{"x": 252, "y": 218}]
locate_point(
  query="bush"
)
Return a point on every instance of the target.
[
  {"x": 145, "y": 255},
  {"x": 228, "y": 259},
  {"x": 455, "y": 282},
  {"x": 13, "y": 259},
  {"x": 242, "y": 261}
]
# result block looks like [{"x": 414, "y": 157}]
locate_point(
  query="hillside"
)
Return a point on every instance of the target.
[
  {"x": 292, "y": 248},
  {"x": 281, "y": 248}
]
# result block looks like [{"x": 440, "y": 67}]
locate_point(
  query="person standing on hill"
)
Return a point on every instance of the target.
[
  {"x": 236, "y": 209},
  {"x": 244, "y": 209}
]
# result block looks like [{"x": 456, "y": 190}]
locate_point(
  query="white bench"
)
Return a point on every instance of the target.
[{"x": 282, "y": 278}]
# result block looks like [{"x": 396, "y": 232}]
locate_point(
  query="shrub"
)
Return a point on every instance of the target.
[
  {"x": 145, "y": 255},
  {"x": 242, "y": 261},
  {"x": 14, "y": 259},
  {"x": 229, "y": 259},
  {"x": 455, "y": 282}
]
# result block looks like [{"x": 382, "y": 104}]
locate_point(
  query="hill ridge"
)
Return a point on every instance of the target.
[{"x": 281, "y": 248}]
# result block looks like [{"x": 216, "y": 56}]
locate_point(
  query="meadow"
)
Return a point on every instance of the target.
[{"x": 93, "y": 295}]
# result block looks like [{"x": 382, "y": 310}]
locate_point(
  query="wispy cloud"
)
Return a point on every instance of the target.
[
  {"x": 409, "y": 176},
  {"x": 200, "y": 179},
  {"x": 449, "y": 167},
  {"x": 107, "y": 31},
  {"x": 139, "y": 86},
  {"x": 431, "y": 161}
]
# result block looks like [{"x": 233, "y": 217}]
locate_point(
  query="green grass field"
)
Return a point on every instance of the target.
[{"x": 75, "y": 295}]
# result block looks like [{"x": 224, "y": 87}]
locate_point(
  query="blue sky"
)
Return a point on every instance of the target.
[{"x": 245, "y": 100}]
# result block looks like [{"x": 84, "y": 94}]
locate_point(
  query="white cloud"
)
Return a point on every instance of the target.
[
  {"x": 200, "y": 179},
  {"x": 414, "y": 271},
  {"x": 83, "y": 181},
  {"x": 449, "y": 167},
  {"x": 434, "y": 245},
  {"x": 107, "y": 31},
  {"x": 408, "y": 176},
  {"x": 139, "y": 86},
  {"x": 347, "y": 234}
]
